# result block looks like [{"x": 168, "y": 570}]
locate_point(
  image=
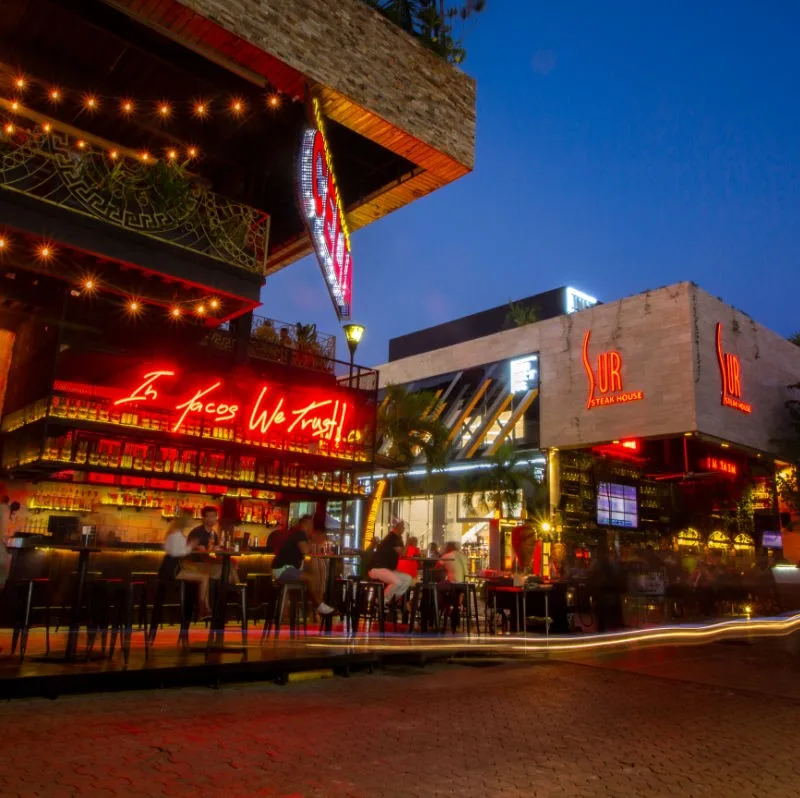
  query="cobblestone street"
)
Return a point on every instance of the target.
[{"x": 542, "y": 728}]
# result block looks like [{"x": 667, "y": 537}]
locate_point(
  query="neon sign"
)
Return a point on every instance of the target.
[
  {"x": 523, "y": 373},
  {"x": 324, "y": 213},
  {"x": 723, "y": 466},
  {"x": 730, "y": 369},
  {"x": 605, "y": 380},
  {"x": 270, "y": 412}
]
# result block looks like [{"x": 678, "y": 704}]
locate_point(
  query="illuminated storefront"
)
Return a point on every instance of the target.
[{"x": 656, "y": 419}]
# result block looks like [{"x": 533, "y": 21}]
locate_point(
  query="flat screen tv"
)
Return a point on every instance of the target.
[
  {"x": 617, "y": 506},
  {"x": 772, "y": 540}
]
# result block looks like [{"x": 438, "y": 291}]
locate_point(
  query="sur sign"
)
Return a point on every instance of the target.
[
  {"x": 605, "y": 378},
  {"x": 730, "y": 370},
  {"x": 324, "y": 214}
]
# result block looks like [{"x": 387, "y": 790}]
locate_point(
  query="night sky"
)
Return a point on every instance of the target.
[{"x": 618, "y": 149}]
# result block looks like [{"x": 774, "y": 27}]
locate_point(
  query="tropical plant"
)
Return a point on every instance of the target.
[
  {"x": 432, "y": 22},
  {"x": 499, "y": 487},
  {"x": 408, "y": 428},
  {"x": 305, "y": 336},
  {"x": 519, "y": 315},
  {"x": 788, "y": 482}
]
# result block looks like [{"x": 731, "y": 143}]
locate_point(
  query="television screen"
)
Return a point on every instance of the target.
[
  {"x": 616, "y": 505},
  {"x": 772, "y": 540}
]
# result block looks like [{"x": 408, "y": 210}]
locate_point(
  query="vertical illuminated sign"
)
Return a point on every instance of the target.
[
  {"x": 523, "y": 374},
  {"x": 605, "y": 378},
  {"x": 324, "y": 215},
  {"x": 730, "y": 370}
]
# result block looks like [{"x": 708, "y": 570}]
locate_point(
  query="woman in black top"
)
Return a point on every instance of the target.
[{"x": 383, "y": 565}]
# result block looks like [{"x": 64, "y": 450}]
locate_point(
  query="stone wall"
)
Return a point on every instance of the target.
[{"x": 667, "y": 347}]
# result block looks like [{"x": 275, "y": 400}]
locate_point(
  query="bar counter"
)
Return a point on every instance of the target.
[{"x": 59, "y": 562}]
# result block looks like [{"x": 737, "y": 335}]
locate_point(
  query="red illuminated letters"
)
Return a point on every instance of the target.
[
  {"x": 145, "y": 390},
  {"x": 605, "y": 380},
  {"x": 730, "y": 369}
]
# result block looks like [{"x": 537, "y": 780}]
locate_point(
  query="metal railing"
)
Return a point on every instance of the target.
[{"x": 158, "y": 200}]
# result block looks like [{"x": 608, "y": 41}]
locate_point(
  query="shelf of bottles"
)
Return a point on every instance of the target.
[
  {"x": 85, "y": 411},
  {"x": 258, "y": 507},
  {"x": 90, "y": 452}
]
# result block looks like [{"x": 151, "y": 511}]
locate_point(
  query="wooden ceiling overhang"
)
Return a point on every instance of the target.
[{"x": 198, "y": 25}]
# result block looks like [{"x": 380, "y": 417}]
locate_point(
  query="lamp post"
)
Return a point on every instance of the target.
[{"x": 353, "y": 333}]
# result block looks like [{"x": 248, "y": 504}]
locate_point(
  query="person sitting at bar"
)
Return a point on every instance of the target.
[
  {"x": 408, "y": 564},
  {"x": 384, "y": 562},
  {"x": 288, "y": 563},
  {"x": 205, "y": 536},
  {"x": 455, "y": 564},
  {"x": 176, "y": 564}
]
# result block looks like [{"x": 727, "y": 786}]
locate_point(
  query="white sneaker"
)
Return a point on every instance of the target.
[{"x": 324, "y": 609}]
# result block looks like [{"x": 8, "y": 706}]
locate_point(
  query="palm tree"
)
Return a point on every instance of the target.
[
  {"x": 499, "y": 487},
  {"x": 408, "y": 427}
]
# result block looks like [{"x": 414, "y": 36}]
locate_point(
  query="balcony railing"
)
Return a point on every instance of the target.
[{"x": 154, "y": 199}]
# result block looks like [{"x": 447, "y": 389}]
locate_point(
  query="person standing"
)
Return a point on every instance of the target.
[
  {"x": 384, "y": 562},
  {"x": 5, "y": 522},
  {"x": 455, "y": 564},
  {"x": 287, "y": 566}
]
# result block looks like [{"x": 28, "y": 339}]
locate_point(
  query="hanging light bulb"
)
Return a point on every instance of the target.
[
  {"x": 54, "y": 95},
  {"x": 45, "y": 251},
  {"x": 172, "y": 154},
  {"x": 274, "y": 100},
  {"x": 237, "y": 106},
  {"x": 201, "y": 110},
  {"x": 81, "y": 144},
  {"x": 89, "y": 284},
  {"x": 145, "y": 156},
  {"x": 201, "y": 310},
  {"x": 164, "y": 110},
  {"x": 126, "y": 106},
  {"x": 3, "y": 243},
  {"x": 133, "y": 307},
  {"x": 15, "y": 105},
  {"x": 47, "y": 127},
  {"x": 114, "y": 154},
  {"x": 175, "y": 312},
  {"x": 192, "y": 152},
  {"x": 21, "y": 83},
  {"x": 9, "y": 128},
  {"x": 90, "y": 102}
]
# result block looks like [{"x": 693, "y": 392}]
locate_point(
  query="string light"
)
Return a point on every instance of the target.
[
  {"x": 200, "y": 110},
  {"x": 133, "y": 307},
  {"x": 45, "y": 252},
  {"x": 172, "y": 154},
  {"x": 237, "y": 106},
  {"x": 164, "y": 110},
  {"x": 21, "y": 83},
  {"x": 90, "y": 102},
  {"x": 47, "y": 127},
  {"x": 9, "y": 128},
  {"x": 201, "y": 310},
  {"x": 274, "y": 101},
  {"x": 3, "y": 243},
  {"x": 15, "y": 105},
  {"x": 214, "y": 304},
  {"x": 145, "y": 156},
  {"x": 89, "y": 285},
  {"x": 55, "y": 95},
  {"x": 175, "y": 312},
  {"x": 126, "y": 106},
  {"x": 192, "y": 152},
  {"x": 114, "y": 154},
  {"x": 80, "y": 144}
]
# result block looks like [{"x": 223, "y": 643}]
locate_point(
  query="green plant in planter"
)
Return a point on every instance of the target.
[
  {"x": 267, "y": 333},
  {"x": 169, "y": 188}
]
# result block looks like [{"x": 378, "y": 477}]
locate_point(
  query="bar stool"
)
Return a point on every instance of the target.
[
  {"x": 469, "y": 591},
  {"x": 25, "y": 591},
  {"x": 150, "y": 579},
  {"x": 424, "y": 606},
  {"x": 296, "y": 594},
  {"x": 86, "y": 608},
  {"x": 370, "y": 595},
  {"x": 263, "y": 597},
  {"x": 187, "y": 594},
  {"x": 344, "y": 597},
  {"x": 239, "y": 590}
]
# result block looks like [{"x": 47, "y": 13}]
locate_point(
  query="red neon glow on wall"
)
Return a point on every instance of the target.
[
  {"x": 730, "y": 369},
  {"x": 723, "y": 466},
  {"x": 605, "y": 380},
  {"x": 272, "y": 411}
]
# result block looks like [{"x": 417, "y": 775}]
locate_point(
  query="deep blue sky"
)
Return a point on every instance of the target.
[{"x": 618, "y": 149}]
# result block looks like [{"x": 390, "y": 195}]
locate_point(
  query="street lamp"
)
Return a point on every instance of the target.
[{"x": 353, "y": 333}]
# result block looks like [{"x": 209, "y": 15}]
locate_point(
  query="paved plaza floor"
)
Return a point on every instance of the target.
[{"x": 700, "y": 721}]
